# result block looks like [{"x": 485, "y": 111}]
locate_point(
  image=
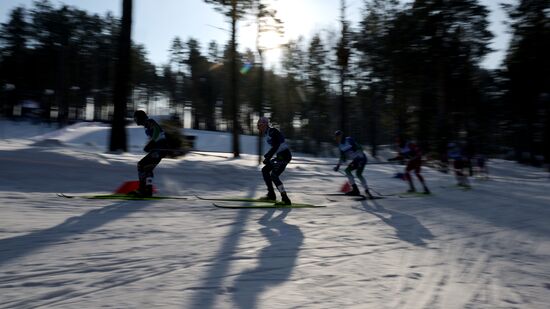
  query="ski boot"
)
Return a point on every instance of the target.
[
  {"x": 148, "y": 192},
  {"x": 269, "y": 197},
  {"x": 354, "y": 191},
  {"x": 284, "y": 199},
  {"x": 427, "y": 191},
  {"x": 412, "y": 189},
  {"x": 144, "y": 190}
]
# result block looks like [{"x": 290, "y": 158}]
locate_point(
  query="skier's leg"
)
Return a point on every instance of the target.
[
  {"x": 421, "y": 178},
  {"x": 359, "y": 174},
  {"x": 351, "y": 179},
  {"x": 278, "y": 169},
  {"x": 416, "y": 168},
  {"x": 145, "y": 172},
  {"x": 349, "y": 175},
  {"x": 362, "y": 179},
  {"x": 266, "y": 173},
  {"x": 409, "y": 178}
]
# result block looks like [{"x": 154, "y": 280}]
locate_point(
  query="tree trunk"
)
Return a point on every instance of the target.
[
  {"x": 260, "y": 104},
  {"x": 234, "y": 82},
  {"x": 122, "y": 82},
  {"x": 344, "y": 123},
  {"x": 374, "y": 126}
]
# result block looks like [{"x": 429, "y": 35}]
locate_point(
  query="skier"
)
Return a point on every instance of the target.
[
  {"x": 156, "y": 148},
  {"x": 349, "y": 149},
  {"x": 410, "y": 151},
  {"x": 275, "y": 160},
  {"x": 455, "y": 153}
]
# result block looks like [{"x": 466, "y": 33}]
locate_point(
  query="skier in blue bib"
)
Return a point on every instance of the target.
[
  {"x": 460, "y": 161},
  {"x": 351, "y": 150},
  {"x": 157, "y": 149},
  {"x": 275, "y": 160}
]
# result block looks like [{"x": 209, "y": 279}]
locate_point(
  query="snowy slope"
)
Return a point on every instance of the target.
[
  {"x": 484, "y": 248},
  {"x": 96, "y": 135}
]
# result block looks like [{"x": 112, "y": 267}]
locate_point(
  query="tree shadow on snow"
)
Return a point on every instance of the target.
[
  {"x": 407, "y": 227},
  {"x": 275, "y": 262},
  {"x": 19, "y": 246}
]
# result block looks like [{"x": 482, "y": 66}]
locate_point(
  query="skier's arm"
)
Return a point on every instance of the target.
[
  {"x": 340, "y": 161},
  {"x": 154, "y": 136},
  {"x": 402, "y": 154},
  {"x": 275, "y": 143}
]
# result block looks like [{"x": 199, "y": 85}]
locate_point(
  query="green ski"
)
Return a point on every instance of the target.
[
  {"x": 235, "y": 199},
  {"x": 265, "y": 205},
  {"x": 121, "y": 197},
  {"x": 414, "y": 194}
]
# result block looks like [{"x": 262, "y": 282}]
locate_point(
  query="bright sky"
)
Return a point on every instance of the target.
[{"x": 157, "y": 22}]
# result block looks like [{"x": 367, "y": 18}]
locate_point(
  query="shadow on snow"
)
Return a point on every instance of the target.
[
  {"x": 407, "y": 227},
  {"x": 19, "y": 246}
]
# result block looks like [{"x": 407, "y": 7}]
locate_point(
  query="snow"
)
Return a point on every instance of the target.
[{"x": 488, "y": 247}]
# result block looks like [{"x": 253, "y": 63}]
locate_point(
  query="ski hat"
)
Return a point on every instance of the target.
[
  {"x": 338, "y": 133},
  {"x": 140, "y": 117},
  {"x": 263, "y": 120}
]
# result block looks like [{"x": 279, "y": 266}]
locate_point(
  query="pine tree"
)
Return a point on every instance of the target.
[
  {"x": 317, "y": 88},
  {"x": 234, "y": 10},
  {"x": 528, "y": 74},
  {"x": 122, "y": 82},
  {"x": 14, "y": 37}
]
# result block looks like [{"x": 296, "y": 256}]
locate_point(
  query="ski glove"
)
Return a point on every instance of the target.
[
  {"x": 266, "y": 161},
  {"x": 336, "y": 168}
]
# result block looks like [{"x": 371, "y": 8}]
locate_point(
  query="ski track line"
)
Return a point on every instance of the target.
[
  {"x": 417, "y": 294},
  {"x": 70, "y": 295},
  {"x": 171, "y": 268},
  {"x": 71, "y": 269},
  {"x": 434, "y": 285},
  {"x": 472, "y": 271},
  {"x": 136, "y": 278}
]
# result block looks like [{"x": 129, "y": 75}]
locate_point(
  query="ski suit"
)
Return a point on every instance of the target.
[
  {"x": 353, "y": 151},
  {"x": 410, "y": 151},
  {"x": 156, "y": 148},
  {"x": 275, "y": 159}
]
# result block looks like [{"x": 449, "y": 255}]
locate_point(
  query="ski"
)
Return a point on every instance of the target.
[
  {"x": 357, "y": 198},
  {"x": 235, "y": 199},
  {"x": 414, "y": 194},
  {"x": 336, "y": 194},
  {"x": 265, "y": 205},
  {"x": 458, "y": 187},
  {"x": 403, "y": 194},
  {"x": 121, "y": 197}
]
